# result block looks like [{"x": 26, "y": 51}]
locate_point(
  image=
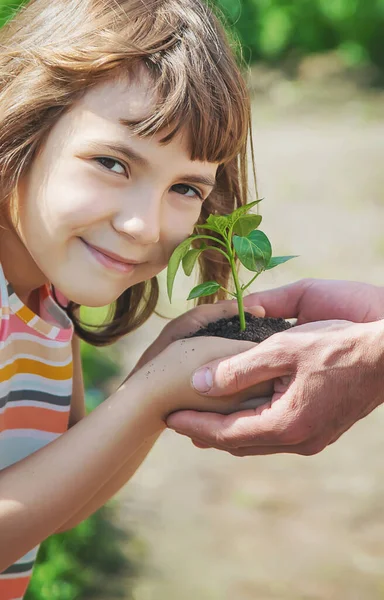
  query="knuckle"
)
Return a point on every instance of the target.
[
  {"x": 277, "y": 348},
  {"x": 228, "y": 375}
]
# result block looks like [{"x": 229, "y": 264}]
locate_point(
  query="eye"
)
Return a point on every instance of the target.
[
  {"x": 183, "y": 188},
  {"x": 109, "y": 162}
]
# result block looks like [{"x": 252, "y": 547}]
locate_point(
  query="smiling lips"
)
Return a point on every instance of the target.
[{"x": 110, "y": 259}]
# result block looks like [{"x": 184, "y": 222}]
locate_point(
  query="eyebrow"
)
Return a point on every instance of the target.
[{"x": 133, "y": 156}]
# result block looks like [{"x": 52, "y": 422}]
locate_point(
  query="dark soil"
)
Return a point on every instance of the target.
[{"x": 257, "y": 328}]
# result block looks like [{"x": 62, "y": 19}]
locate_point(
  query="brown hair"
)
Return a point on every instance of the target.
[{"x": 53, "y": 52}]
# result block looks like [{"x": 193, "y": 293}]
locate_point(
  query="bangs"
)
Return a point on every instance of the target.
[{"x": 197, "y": 94}]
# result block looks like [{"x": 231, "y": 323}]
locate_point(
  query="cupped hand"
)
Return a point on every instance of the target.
[
  {"x": 328, "y": 376},
  {"x": 168, "y": 377},
  {"x": 188, "y": 323}
]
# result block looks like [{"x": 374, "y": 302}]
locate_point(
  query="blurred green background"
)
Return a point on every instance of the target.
[
  {"x": 205, "y": 525},
  {"x": 281, "y": 30}
]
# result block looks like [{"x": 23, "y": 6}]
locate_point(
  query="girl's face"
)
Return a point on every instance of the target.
[{"x": 95, "y": 189}]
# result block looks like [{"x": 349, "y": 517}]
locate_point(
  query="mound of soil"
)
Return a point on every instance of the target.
[{"x": 257, "y": 328}]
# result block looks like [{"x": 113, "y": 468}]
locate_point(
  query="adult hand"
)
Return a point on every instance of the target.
[
  {"x": 311, "y": 300},
  {"x": 328, "y": 375}
]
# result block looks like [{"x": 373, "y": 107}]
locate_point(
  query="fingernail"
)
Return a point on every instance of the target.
[{"x": 202, "y": 380}]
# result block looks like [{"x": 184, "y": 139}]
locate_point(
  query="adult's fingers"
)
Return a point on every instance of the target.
[
  {"x": 303, "y": 449},
  {"x": 279, "y": 302},
  {"x": 300, "y": 449},
  {"x": 248, "y": 451},
  {"x": 268, "y": 425},
  {"x": 226, "y": 376}
]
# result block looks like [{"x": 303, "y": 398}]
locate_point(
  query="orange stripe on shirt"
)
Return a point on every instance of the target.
[
  {"x": 32, "y": 417},
  {"x": 34, "y": 367},
  {"x": 25, "y": 314},
  {"x": 13, "y": 588}
]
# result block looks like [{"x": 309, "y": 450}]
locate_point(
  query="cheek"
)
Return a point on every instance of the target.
[
  {"x": 76, "y": 211},
  {"x": 74, "y": 200},
  {"x": 80, "y": 213},
  {"x": 180, "y": 223},
  {"x": 180, "y": 226}
]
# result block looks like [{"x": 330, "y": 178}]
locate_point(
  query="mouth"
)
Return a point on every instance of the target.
[{"x": 109, "y": 259}]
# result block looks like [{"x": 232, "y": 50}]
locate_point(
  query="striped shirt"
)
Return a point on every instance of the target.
[{"x": 35, "y": 393}]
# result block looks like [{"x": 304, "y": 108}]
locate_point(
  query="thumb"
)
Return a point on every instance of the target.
[
  {"x": 279, "y": 302},
  {"x": 232, "y": 374}
]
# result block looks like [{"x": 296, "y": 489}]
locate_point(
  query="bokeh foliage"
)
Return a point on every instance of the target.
[
  {"x": 272, "y": 30},
  {"x": 85, "y": 562}
]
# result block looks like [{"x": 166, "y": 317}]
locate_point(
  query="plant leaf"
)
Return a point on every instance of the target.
[
  {"x": 189, "y": 260},
  {"x": 278, "y": 260},
  {"x": 254, "y": 250},
  {"x": 204, "y": 289},
  {"x": 219, "y": 223},
  {"x": 174, "y": 262},
  {"x": 242, "y": 210},
  {"x": 247, "y": 223},
  {"x": 204, "y": 226}
]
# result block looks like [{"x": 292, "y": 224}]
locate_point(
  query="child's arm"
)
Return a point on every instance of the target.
[
  {"x": 42, "y": 492},
  {"x": 115, "y": 483},
  {"x": 112, "y": 486}
]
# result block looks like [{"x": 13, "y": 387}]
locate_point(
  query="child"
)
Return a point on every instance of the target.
[{"x": 122, "y": 125}]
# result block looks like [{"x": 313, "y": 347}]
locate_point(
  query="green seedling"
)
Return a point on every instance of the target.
[{"x": 237, "y": 235}]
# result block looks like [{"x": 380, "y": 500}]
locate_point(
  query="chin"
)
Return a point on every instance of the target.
[{"x": 90, "y": 297}]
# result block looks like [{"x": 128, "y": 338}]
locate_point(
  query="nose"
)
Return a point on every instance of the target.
[{"x": 140, "y": 220}]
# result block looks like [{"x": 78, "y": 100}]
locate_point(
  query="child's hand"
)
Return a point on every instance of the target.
[
  {"x": 168, "y": 377},
  {"x": 190, "y": 322}
]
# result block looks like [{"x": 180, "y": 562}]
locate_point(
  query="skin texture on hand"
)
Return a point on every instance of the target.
[
  {"x": 167, "y": 379},
  {"x": 328, "y": 374}
]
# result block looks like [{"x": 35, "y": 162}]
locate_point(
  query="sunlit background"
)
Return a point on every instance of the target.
[{"x": 202, "y": 525}]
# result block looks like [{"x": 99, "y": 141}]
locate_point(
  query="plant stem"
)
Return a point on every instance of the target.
[
  {"x": 250, "y": 282},
  {"x": 228, "y": 292},
  {"x": 219, "y": 250},
  {"x": 239, "y": 291},
  {"x": 209, "y": 237}
]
